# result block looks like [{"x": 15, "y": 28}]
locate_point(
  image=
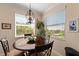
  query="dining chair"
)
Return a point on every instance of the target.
[
  {"x": 44, "y": 50},
  {"x": 69, "y": 51},
  {"x": 7, "y": 52},
  {"x": 27, "y": 35}
]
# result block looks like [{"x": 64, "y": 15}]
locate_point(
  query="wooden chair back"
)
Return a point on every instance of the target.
[{"x": 5, "y": 46}]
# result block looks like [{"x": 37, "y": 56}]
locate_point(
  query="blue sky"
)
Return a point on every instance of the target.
[{"x": 56, "y": 19}]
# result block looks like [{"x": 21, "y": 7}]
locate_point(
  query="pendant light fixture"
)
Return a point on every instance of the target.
[{"x": 29, "y": 14}]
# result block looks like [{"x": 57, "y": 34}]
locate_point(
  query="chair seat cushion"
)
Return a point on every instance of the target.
[{"x": 15, "y": 52}]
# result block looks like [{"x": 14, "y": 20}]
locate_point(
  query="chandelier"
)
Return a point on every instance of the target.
[{"x": 29, "y": 14}]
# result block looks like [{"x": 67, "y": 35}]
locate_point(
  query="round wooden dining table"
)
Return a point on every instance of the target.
[{"x": 21, "y": 44}]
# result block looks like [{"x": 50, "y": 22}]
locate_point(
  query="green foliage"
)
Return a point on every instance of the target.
[
  {"x": 52, "y": 32},
  {"x": 49, "y": 32},
  {"x": 40, "y": 24},
  {"x": 41, "y": 30},
  {"x": 61, "y": 33},
  {"x": 31, "y": 40},
  {"x": 23, "y": 30}
]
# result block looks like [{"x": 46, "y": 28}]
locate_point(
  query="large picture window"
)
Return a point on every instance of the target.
[
  {"x": 22, "y": 26},
  {"x": 55, "y": 25}
]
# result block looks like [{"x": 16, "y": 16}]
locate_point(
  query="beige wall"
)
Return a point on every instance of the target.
[
  {"x": 71, "y": 13},
  {"x": 7, "y": 15},
  {"x": 71, "y": 39}
]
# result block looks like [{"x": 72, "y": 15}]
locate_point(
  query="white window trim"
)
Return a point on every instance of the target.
[{"x": 21, "y": 25}]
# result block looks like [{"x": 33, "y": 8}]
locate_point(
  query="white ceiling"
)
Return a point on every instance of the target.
[{"x": 40, "y": 7}]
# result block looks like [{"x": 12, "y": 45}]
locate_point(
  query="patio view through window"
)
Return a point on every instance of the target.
[
  {"x": 55, "y": 25},
  {"x": 22, "y": 26}
]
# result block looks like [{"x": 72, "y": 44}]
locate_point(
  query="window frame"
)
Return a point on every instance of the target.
[
  {"x": 51, "y": 25},
  {"x": 21, "y": 25}
]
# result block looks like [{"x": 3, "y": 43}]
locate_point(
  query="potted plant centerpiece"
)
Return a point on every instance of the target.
[
  {"x": 40, "y": 33},
  {"x": 31, "y": 40}
]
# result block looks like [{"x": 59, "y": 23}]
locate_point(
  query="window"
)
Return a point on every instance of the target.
[
  {"x": 22, "y": 26},
  {"x": 55, "y": 25}
]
